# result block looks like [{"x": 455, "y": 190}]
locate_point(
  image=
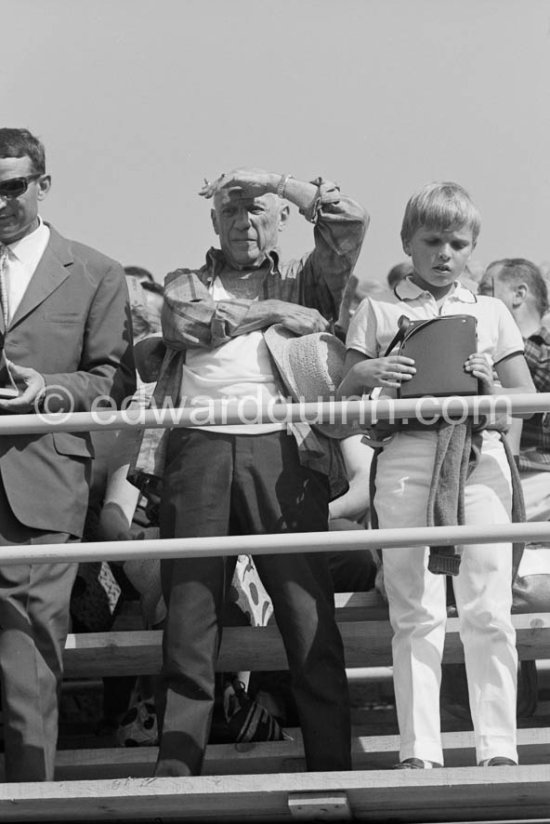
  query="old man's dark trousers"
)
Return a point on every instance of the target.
[{"x": 218, "y": 484}]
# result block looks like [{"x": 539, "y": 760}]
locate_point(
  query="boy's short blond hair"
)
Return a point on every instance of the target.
[{"x": 440, "y": 206}]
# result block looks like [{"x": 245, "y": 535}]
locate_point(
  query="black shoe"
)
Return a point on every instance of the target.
[
  {"x": 497, "y": 761},
  {"x": 416, "y": 764}
]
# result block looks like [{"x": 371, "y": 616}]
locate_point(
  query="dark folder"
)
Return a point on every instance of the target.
[{"x": 440, "y": 346}]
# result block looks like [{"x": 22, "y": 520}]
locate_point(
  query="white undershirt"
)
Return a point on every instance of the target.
[{"x": 239, "y": 369}]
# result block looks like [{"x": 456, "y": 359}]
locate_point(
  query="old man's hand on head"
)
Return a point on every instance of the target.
[
  {"x": 246, "y": 183},
  {"x": 242, "y": 184}
]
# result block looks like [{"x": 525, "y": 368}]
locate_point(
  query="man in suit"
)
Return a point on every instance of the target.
[{"x": 65, "y": 332}]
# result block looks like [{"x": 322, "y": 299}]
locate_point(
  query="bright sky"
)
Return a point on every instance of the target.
[{"x": 138, "y": 100}]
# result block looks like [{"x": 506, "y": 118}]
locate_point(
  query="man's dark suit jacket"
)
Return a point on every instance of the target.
[{"x": 73, "y": 326}]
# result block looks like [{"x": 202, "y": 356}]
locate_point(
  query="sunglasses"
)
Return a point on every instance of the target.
[{"x": 16, "y": 186}]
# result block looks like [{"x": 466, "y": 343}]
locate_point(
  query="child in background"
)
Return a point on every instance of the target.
[{"x": 439, "y": 232}]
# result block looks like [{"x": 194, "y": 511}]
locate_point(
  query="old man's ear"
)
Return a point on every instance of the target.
[
  {"x": 284, "y": 213},
  {"x": 214, "y": 219}
]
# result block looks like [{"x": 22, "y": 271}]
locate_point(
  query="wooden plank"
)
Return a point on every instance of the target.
[
  {"x": 368, "y": 752},
  {"x": 358, "y": 606},
  {"x": 136, "y": 652},
  {"x": 366, "y": 643},
  {"x": 319, "y": 807},
  {"x": 517, "y": 793}
]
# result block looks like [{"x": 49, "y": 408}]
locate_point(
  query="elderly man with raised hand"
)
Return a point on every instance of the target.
[{"x": 244, "y": 479}]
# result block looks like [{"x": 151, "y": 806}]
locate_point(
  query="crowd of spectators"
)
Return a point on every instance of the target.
[{"x": 250, "y": 325}]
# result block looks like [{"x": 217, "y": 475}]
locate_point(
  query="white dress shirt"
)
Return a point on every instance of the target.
[{"x": 23, "y": 258}]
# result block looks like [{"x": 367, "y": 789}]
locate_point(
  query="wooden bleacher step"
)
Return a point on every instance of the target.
[
  {"x": 369, "y": 752},
  {"x": 366, "y": 643},
  {"x": 458, "y": 793},
  {"x": 267, "y": 781}
]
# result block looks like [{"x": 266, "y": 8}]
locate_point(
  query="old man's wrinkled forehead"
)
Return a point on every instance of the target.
[{"x": 223, "y": 197}]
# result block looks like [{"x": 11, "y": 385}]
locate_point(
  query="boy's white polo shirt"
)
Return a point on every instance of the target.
[{"x": 375, "y": 321}]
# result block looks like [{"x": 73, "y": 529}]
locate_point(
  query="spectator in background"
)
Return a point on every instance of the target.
[
  {"x": 472, "y": 275},
  {"x": 145, "y": 317},
  {"x": 398, "y": 273},
  {"x": 100, "y": 587},
  {"x": 139, "y": 273},
  {"x": 66, "y": 340},
  {"x": 521, "y": 287},
  {"x": 544, "y": 269},
  {"x": 353, "y": 570},
  {"x": 146, "y": 299},
  {"x": 154, "y": 298}
]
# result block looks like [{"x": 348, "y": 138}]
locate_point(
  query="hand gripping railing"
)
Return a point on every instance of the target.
[{"x": 364, "y": 412}]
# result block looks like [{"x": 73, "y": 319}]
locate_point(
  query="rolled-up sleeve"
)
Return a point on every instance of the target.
[
  {"x": 340, "y": 227},
  {"x": 192, "y": 318}
]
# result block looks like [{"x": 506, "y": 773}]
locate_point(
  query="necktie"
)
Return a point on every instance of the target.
[{"x": 4, "y": 254}]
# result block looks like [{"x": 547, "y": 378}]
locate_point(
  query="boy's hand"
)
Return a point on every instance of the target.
[
  {"x": 390, "y": 371},
  {"x": 481, "y": 368}
]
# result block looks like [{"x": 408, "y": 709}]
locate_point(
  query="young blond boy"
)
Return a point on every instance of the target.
[{"x": 440, "y": 229}]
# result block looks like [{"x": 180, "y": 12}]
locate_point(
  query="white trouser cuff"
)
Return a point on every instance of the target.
[
  {"x": 491, "y": 746},
  {"x": 427, "y": 750}
]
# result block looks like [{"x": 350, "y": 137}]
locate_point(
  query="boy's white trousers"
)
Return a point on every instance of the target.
[{"x": 417, "y": 601}]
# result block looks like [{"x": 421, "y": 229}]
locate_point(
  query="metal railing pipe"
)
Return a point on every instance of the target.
[
  {"x": 536, "y": 532},
  {"x": 247, "y": 411}
]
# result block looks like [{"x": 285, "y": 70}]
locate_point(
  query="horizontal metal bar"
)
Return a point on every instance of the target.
[
  {"x": 274, "y": 543},
  {"x": 236, "y": 412}
]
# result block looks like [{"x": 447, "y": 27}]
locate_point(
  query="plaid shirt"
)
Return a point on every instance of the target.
[
  {"x": 191, "y": 318},
  {"x": 535, "y": 435}
]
